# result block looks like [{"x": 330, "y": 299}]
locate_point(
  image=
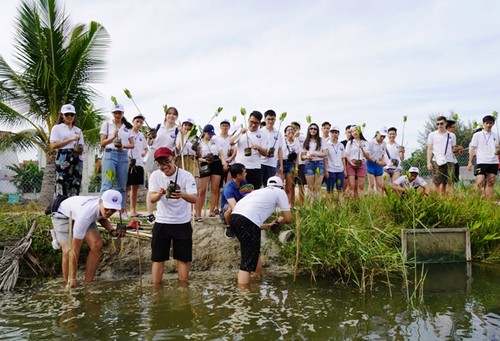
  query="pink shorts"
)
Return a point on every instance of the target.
[{"x": 360, "y": 171}]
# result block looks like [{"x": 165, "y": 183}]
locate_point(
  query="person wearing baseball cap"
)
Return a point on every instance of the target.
[
  {"x": 173, "y": 189},
  {"x": 84, "y": 211},
  {"x": 247, "y": 220},
  {"x": 117, "y": 139},
  {"x": 410, "y": 181},
  {"x": 187, "y": 146},
  {"x": 67, "y": 139}
]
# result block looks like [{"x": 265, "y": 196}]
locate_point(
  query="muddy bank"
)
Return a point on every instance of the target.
[{"x": 212, "y": 251}]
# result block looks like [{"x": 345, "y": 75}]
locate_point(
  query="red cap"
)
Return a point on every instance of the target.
[{"x": 163, "y": 152}]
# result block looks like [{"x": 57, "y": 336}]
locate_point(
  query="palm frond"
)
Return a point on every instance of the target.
[{"x": 21, "y": 141}]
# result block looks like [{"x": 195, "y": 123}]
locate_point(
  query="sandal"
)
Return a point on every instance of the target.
[
  {"x": 211, "y": 214},
  {"x": 199, "y": 219}
]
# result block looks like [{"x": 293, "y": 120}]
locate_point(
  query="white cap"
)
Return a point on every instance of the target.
[
  {"x": 334, "y": 128},
  {"x": 413, "y": 170},
  {"x": 112, "y": 199},
  {"x": 68, "y": 108},
  {"x": 225, "y": 120},
  {"x": 118, "y": 107},
  {"x": 188, "y": 120},
  {"x": 383, "y": 131},
  {"x": 275, "y": 181}
]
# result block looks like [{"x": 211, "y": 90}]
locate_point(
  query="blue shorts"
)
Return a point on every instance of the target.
[
  {"x": 374, "y": 169},
  {"x": 335, "y": 179},
  {"x": 288, "y": 166},
  {"x": 311, "y": 166}
]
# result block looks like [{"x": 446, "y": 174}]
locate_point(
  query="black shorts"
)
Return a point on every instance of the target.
[
  {"x": 254, "y": 177},
  {"x": 215, "y": 168},
  {"x": 162, "y": 237},
  {"x": 135, "y": 176},
  {"x": 300, "y": 179},
  {"x": 249, "y": 236},
  {"x": 486, "y": 168}
]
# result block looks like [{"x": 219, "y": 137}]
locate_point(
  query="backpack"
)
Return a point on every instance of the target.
[{"x": 54, "y": 205}]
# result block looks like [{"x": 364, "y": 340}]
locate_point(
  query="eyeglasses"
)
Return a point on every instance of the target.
[
  {"x": 117, "y": 112},
  {"x": 253, "y": 122},
  {"x": 440, "y": 124},
  {"x": 69, "y": 114},
  {"x": 164, "y": 163}
]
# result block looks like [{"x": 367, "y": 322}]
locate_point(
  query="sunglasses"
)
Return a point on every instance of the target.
[
  {"x": 316, "y": 129},
  {"x": 69, "y": 114},
  {"x": 440, "y": 124}
]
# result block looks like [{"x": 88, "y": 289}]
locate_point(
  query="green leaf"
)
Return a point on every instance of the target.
[
  {"x": 234, "y": 118},
  {"x": 405, "y": 118},
  {"x": 308, "y": 119},
  {"x": 283, "y": 116},
  {"x": 219, "y": 109},
  {"x": 243, "y": 111},
  {"x": 110, "y": 175},
  {"x": 113, "y": 99},
  {"x": 127, "y": 93}
]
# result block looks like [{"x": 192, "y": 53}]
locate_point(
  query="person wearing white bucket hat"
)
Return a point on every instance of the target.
[
  {"x": 67, "y": 139},
  {"x": 84, "y": 211},
  {"x": 247, "y": 220}
]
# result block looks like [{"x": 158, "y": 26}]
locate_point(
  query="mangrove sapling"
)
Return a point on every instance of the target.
[
  {"x": 271, "y": 150},
  {"x": 129, "y": 96},
  {"x": 247, "y": 151}
]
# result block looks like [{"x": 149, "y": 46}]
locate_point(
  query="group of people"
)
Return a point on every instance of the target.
[{"x": 254, "y": 161}]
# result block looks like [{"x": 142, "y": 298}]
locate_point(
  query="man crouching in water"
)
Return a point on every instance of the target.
[
  {"x": 84, "y": 211},
  {"x": 174, "y": 189},
  {"x": 247, "y": 219}
]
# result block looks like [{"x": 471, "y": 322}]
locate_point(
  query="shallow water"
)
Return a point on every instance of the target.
[{"x": 459, "y": 303}]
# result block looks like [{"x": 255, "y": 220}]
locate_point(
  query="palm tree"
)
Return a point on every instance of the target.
[{"x": 55, "y": 64}]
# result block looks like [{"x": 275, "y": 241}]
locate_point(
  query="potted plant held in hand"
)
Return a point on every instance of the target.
[
  {"x": 270, "y": 152},
  {"x": 247, "y": 151}
]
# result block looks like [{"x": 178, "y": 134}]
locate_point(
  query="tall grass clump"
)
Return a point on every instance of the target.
[
  {"x": 360, "y": 240},
  {"x": 349, "y": 242}
]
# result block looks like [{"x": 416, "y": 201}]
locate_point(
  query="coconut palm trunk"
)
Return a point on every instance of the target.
[{"x": 48, "y": 181}]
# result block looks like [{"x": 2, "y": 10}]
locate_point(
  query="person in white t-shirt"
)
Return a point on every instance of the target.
[
  {"x": 67, "y": 139},
  {"x": 377, "y": 160},
  {"x": 440, "y": 158},
  {"x": 116, "y": 138},
  {"x": 84, "y": 211},
  {"x": 335, "y": 174},
  {"x": 395, "y": 155},
  {"x": 251, "y": 144},
  {"x": 411, "y": 181},
  {"x": 248, "y": 218},
  {"x": 272, "y": 164},
  {"x": 136, "y": 165},
  {"x": 174, "y": 190},
  {"x": 484, "y": 145}
]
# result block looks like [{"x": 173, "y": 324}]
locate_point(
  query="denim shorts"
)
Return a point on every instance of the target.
[
  {"x": 335, "y": 179},
  {"x": 288, "y": 166},
  {"x": 374, "y": 169},
  {"x": 311, "y": 166}
]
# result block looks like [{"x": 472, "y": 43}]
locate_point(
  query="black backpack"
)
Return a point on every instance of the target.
[{"x": 54, "y": 205}]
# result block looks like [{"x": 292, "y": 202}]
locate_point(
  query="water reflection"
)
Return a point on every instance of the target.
[{"x": 458, "y": 303}]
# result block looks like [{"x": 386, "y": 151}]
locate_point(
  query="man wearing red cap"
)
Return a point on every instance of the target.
[{"x": 174, "y": 189}]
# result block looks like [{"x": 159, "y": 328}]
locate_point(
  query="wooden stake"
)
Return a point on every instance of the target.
[
  {"x": 139, "y": 253},
  {"x": 70, "y": 254},
  {"x": 297, "y": 239}
]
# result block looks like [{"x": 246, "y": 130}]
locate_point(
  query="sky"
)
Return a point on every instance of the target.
[{"x": 346, "y": 62}]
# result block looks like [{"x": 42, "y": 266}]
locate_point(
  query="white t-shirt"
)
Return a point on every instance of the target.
[
  {"x": 485, "y": 144},
  {"x": 61, "y": 132},
  {"x": 140, "y": 144},
  {"x": 376, "y": 150},
  {"x": 353, "y": 151},
  {"x": 403, "y": 181},
  {"x": 393, "y": 151},
  {"x": 108, "y": 129},
  {"x": 84, "y": 211},
  {"x": 211, "y": 146},
  {"x": 173, "y": 211},
  {"x": 258, "y": 205},
  {"x": 291, "y": 147},
  {"x": 224, "y": 143},
  {"x": 301, "y": 138},
  {"x": 188, "y": 145},
  {"x": 438, "y": 142},
  {"x": 312, "y": 148},
  {"x": 165, "y": 138},
  {"x": 256, "y": 137},
  {"x": 273, "y": 138},
  {"x": 335, "y": 156}
]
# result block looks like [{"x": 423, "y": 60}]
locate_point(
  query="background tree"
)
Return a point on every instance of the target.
[{"x": 55, "y": 64}]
